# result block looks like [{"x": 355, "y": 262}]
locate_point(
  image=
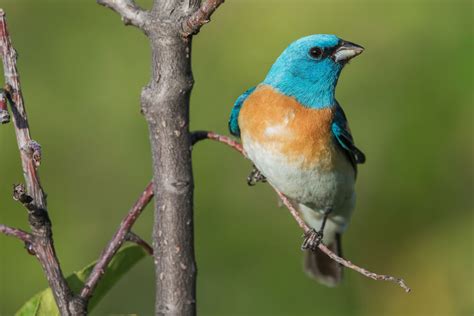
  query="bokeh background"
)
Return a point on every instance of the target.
[{"x": 409, "y": 101}]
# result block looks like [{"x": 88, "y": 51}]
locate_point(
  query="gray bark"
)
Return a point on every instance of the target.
[
  {"x": 170, "y": 25},
  {"x": 165, "y": 104}
]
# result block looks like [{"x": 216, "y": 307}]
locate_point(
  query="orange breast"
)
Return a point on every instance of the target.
[{"x": 282, "y": 125}]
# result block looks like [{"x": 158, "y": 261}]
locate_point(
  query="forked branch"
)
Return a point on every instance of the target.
[
  {"x": 123, "y": 234},
  {"x": 193, "y": 24},
  {"x": 33, "y": 197},
  {"x": 40, "y": 241}
]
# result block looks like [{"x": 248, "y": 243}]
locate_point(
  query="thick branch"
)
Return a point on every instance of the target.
[
  {"x": 117, "y": 240},
  {"x": 165, "y": 105},
  {"x": 201, "y": 135},
  {"x": 34, "y": 197},
  {"x": 193, "y": 24},
  {"x": 129, "y": 11}
]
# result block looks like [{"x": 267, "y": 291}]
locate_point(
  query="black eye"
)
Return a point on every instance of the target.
[{"x": 316, "y": 52}]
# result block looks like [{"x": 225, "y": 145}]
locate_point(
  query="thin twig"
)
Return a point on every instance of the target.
[
  {"x": 293, "y": 211},
  {"x": 116, "y": 242},
  {"x": 193, "y": 24},
  {"x": 129, "y": 11},
  {"x": 201, "y": 135},
  {"x": 14, "y": 93},
  {"x": 33, "y": 197},
  {"x": 335, "y": 257},
  {"x": 132, "y": 237},
  {"x": 15, "y": 232}
]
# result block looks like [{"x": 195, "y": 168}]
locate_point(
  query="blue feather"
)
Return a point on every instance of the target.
[
  {"x": 234, "y": 115},
  {"x": 340, "y": 130}
]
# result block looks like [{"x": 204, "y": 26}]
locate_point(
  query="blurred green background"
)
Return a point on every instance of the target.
[{"x": 409, "y": 101}]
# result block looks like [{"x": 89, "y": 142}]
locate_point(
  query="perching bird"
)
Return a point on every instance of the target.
[{"x": 296, "y": 134}]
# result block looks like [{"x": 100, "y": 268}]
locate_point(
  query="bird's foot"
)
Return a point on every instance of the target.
[
  {"x": 312, "y": 239},
  {"x": 255, "y": 176}
]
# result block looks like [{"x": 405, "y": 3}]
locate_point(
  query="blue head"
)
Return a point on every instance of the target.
[{"x": 309, "y": 68}]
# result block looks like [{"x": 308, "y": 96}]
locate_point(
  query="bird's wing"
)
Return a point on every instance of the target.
[
  {"x": 234, "y": 115},
  {"x": 340, "y": 130}
]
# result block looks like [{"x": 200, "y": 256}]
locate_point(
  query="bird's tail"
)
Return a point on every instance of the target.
[{"x": 322, "y": 268}]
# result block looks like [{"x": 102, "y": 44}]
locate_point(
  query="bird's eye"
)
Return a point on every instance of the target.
[{"x": 316, "y": 52}]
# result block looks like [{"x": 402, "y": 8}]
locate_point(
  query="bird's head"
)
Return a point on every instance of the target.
[{"x": 309, "y": 68}]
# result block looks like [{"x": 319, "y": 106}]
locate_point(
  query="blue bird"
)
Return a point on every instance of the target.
[{"x": 297, "y": 135}]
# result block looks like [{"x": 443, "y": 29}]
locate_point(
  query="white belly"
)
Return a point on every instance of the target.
[{"x": 316, "y": 187}]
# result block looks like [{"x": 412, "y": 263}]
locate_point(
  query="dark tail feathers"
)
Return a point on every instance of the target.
[{"x": 322, "y": 268}]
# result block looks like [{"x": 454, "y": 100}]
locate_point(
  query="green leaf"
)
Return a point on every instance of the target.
[{"x": 43, "y": 304}]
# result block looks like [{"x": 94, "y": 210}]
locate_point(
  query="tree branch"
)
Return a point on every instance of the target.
[
  {"x": 335, "y": 257},
  {"x": 116, "y": 242},
  {"x": 33, "y": 197},
  {"x": 201, "y": 135},
  {"x": 169, "y": 26},
  {"x": 40, "y": 241},
  {"x": 132, "y": 237},
  {"x": 165, "y": 105},
  {"x": 201, "y": 16},
  {"x": 15, "y": 232},
  {"x": 129, "y": 11}
]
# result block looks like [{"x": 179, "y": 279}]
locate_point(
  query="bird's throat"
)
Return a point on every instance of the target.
[
  {"x": 313, "y": 90},
  {"x": 315, "y": 94}
]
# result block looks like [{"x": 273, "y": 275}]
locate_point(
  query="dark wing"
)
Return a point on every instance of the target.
[
  {"x": 234, "y": 115},
  {"x": 340, "y": 130}
]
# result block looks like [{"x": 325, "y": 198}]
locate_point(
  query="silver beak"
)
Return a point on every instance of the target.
[{"x": 346, "y": 51}]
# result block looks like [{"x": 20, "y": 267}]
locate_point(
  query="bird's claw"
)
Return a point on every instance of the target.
[
  {"x": 255, "y": 176},
  {"x": 312, "y": 239}
]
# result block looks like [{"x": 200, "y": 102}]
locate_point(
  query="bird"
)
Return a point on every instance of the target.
[{"x": 297, "y": 136}]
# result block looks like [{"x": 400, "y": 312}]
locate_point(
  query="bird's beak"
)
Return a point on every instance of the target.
[{"x": 346, "y": 51}]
